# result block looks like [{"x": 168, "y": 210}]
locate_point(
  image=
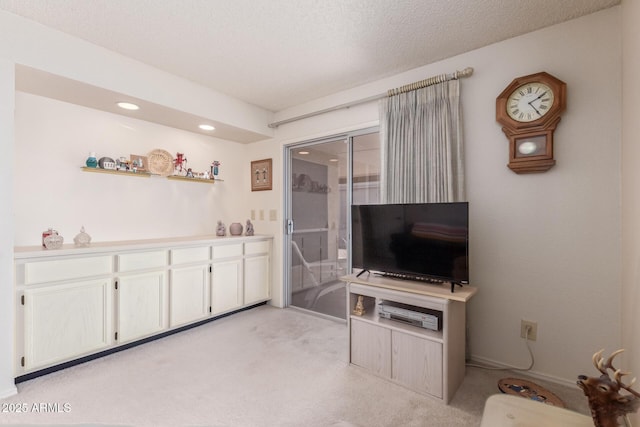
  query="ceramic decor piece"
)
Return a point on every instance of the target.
[
  {"x": 235, "y": 229},
  {"x": 92, "y": 162},
  {"x": 82, "y": 239},
  {"x": 53, "y": 241}
]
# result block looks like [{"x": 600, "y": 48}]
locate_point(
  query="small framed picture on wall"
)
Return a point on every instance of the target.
[{"x": 261, "y": 175}]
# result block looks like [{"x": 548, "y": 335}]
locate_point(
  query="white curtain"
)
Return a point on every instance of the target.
[{"x": 421, "y": 145}]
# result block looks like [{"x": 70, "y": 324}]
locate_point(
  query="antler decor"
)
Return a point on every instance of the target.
[{"x": 605, "y": 400}]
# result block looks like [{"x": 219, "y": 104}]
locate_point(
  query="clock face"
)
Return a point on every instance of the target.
[{"x": 530, "y": 102}]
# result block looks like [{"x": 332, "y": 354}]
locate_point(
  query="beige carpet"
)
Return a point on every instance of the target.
[{"x": 263, "y": 367}]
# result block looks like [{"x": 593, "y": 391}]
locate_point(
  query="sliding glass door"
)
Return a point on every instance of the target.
[{"x": 322, "y": 179}]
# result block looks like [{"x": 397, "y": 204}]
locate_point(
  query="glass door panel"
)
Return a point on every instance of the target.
[
  {"x": 322, "y": 178},
  {"x": 317, "y": 212}
]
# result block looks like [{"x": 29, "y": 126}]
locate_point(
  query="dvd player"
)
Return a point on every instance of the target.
[{"x": 417, "y": 316}]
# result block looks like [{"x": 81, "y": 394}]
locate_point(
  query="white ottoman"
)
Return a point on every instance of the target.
[{"x": 503, "y": 410}]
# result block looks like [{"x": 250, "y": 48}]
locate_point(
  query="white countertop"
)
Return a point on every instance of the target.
[{"x": 21, "y": 252}]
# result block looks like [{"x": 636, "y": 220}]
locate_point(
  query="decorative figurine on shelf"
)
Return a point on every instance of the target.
[
  {"x": 214, "y": 169},
  {"x": 82, "y": 239},
  {"x": 606, "y": 402},
  {"x": 221, "y": 230},
  {"x": 180, "y": 163},
  {"x": 92, "y": 162},
  {"x": 359, "y": 308},
  {"x": 46, "y": 234},
  {"x": 123, "y": 164},
  {"x": 51, "y": 239},
  {"x": 189, "y": 173},
  {"x": 249, "y": 231}
]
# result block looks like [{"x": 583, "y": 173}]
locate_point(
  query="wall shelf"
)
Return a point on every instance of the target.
[
  {"x": 184, "y": 178},
  {"x": 147, "y": 175},
  {"x": 115, "y": 172}
]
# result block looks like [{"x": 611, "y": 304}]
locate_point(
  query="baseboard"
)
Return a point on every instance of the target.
[{"x": 535, "y": 374}]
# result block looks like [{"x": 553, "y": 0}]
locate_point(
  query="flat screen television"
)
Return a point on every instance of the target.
[{"x": 422, "y": 241}]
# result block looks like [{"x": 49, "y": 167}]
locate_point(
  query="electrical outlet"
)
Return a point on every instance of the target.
[
  {"x": 533, "y": 329},
  {"x": 253, "y": 214}
]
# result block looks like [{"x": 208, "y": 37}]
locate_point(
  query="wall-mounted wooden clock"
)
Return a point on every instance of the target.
[{"x": 529, "y": 110}]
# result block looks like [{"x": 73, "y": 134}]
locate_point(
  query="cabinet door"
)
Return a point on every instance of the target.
[
  {"x": 371, "y": 347},
  {"x": 66, "y": 321},
  {"x": 226, "y": 286},
  {"x": 417, "y": 363},
  {"x": 257, "y": 275},
  {"x": 141, "y": 305},
  {"x": 189, "y": 294}
]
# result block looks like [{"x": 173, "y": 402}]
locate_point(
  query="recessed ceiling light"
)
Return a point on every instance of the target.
[
  {"x": 206, "y": 127},
  {"x": 333, "y": 160},
  {"x": 303, "y": 152},
  {"x": 128, "y": 106}
]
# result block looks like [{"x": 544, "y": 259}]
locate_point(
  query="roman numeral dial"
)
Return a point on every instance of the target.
[{"x": 529, "y": 102}]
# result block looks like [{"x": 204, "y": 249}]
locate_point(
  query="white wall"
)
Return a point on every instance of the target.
[
  {"x": 53, "y": 140},
  {"x": 544, "y": 247},
  {"x": 631, "y": 190},
  {"x": 7, "y": 299}
]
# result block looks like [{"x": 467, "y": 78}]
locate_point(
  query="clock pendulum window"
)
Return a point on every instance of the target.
[{"x": 529, "y": 110}]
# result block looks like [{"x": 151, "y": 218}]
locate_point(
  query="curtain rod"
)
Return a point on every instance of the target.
[{"x": 391, "y": 92}]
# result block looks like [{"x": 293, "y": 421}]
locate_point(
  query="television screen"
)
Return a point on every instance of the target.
[{"x": 416, "y": 241}]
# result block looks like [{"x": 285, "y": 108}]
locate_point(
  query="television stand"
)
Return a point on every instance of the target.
[{"x": 431, "y": 362}]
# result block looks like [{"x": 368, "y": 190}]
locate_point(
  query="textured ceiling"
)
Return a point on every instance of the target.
[{"x": 281, "y": 53}]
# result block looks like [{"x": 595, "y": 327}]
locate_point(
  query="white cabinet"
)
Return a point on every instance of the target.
[
  {"x": 189, "y": 294},
  {"x": 226, "y": 286},
  {"x": 428, "y": 361},
  {"x": 66, "y": 320},
  {"x": 76, "y": 302},
  {"x": 256, "y": 279},
  {"x": 226, "y": 278},
  {"x": 141, "y": 305},
  {"x": 142, "y": 302},
  {"x": 189, "y": 285},
  {"x": 257, "y": 272}
]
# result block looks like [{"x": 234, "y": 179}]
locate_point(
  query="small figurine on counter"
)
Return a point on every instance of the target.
[
  {"x": 189, "y": 173},
  {"x": 249, "y": 231},
  {"x": 82, "y": 239},
  {"x": 221, "y": 230}
]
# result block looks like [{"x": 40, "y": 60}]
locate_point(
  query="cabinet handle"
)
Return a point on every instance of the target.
[{"x": 22, "y": 301}]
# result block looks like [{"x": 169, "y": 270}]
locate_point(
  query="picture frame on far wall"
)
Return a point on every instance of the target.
[
  {"x": 261, "y": 175},
  {"x": 140, "y": 162}
]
